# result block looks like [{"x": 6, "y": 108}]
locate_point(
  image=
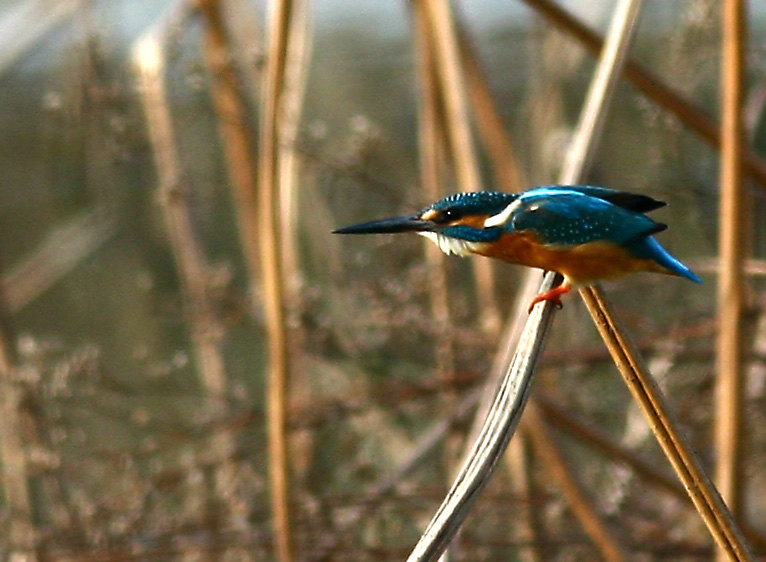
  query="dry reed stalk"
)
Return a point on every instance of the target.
[
  {"x": 650, "y": 85},
  {"x": 28, "y": 22},
  {"x": 431, "y": 138},
  {"x": 149, "y": 62},
  {"x": 457, "y": 125},
  {"x": 489, "y": 126},
  {"x": 752, "y": 267},
  {"x": 732, "y": 245},
  {"x": 576, "y": 164},
  {"x": 453, "y": 91},
  {"x": 61, "y": 251},
  {"x": 500, "y": 422},
  {"x": 649, "y": 397},
  {"x": 272, "y": 274},
  {"x": 296, "y": 78},
  {"x": 13, "y": 456},
  {"x": 624, "y": 352},
  {"x": 508, "y": 176},
  {"x": 292, "y": 191},
  {"x": 230, "y": 104},
  {"x": 231, "y": 110},
  {"x": 581, "y": 505},
  {"x": 503, "y": 416},
  {"x": 518, "y": 460},
  {"x": 593, "y": 437}
]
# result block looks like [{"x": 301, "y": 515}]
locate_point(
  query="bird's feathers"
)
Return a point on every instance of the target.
[
  {"x": 586, "y": 233},
  {"x": 474, "y": 203},
  {"x": 649, "y": 248},
  {"x": 571, "y": 218},
  {"x": 630, "y": 201}
]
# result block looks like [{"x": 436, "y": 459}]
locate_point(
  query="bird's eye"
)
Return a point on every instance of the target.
[
  {"x": 448, "y": 215},
  {"x": 441, "y": 216}
]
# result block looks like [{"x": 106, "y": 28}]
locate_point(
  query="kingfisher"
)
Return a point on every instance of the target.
[{"x": 585, "y": 233}]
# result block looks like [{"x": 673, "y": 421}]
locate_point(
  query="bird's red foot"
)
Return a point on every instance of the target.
[{"x": 554, "y": 295}]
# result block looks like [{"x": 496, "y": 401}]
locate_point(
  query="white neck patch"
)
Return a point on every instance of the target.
[
  {"x": 502, "y": 217},
  {"x": 452, "y": 245}
]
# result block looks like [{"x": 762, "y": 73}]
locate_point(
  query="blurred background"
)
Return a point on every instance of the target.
[{"x": 138, "y": 313}]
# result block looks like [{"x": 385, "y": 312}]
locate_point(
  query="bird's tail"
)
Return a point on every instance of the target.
[{"x": 649, "y": 248}]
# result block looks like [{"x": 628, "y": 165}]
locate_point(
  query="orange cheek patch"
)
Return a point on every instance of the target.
[
  {"x": 475, "y": 221},
  {"x": 429, "y": 215}
]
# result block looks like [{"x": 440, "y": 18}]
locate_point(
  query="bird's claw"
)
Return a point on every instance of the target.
[
  {"x": 554, "y": 296},
  {"x": 539, "y": 298}
]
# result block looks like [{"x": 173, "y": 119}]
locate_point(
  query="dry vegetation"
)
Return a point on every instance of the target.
[{"x": 194, "y": 368}]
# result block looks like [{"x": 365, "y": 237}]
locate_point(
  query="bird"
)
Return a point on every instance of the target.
[{"x": 585, "y": 233}]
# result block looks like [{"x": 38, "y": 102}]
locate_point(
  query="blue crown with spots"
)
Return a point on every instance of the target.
[{"x": 477, "y": 203}]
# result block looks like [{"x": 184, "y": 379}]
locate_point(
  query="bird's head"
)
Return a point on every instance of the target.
[{"x": 456, "y": 223}]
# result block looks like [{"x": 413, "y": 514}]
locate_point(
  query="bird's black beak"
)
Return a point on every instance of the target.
[{"x": 410, "y": 223}]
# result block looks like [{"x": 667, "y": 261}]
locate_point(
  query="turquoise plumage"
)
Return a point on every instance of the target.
[{"x": 586, "y": 233}]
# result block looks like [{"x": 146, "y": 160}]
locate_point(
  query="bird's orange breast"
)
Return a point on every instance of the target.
[{"x": 581, "y": 264}]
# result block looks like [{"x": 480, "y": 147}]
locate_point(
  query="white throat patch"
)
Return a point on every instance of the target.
[{"x": 452, "y": 245}]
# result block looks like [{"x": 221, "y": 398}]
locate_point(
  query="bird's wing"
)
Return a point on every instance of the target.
[
  {"x": 630, "y": 201},
  {"x": 569, "y": 219}
]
